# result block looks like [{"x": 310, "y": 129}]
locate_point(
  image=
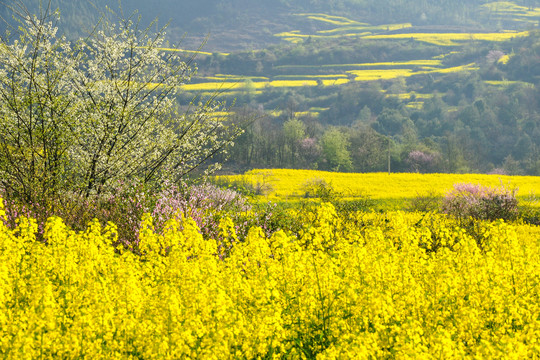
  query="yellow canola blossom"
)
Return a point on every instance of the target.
[
  {"x": 290, "y": 183},
  {"x": 376, "y": 286}
]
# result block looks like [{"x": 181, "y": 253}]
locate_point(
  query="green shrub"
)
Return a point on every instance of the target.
[
  {"x": 320, "y": 189},
  {"x": 429, "y": 202}
]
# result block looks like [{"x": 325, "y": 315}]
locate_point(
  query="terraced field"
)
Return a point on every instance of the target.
[
  {"x": 358, "y": 72},
  {"x": 335, "y": 74},
  {"x": 344, "y": 28},
  {"x": 506, "y": 10}
]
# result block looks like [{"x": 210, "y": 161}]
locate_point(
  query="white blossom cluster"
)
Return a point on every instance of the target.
[{"x": 78, "y": 116}]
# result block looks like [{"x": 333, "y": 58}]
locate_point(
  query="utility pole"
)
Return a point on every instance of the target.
[{"x": 388, "y": 155}]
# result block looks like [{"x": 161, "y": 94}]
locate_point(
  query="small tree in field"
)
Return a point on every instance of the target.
[{"x": 76, "y": 117}]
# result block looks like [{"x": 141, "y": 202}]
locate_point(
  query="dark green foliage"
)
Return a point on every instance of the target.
[
  {"x": 317, "y": 188},
  {"x": 320, "y": 189},
  {"x": 470, "y": 125}
]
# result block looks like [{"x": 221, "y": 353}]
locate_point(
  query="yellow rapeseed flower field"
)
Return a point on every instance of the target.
[
  {"x": 390, "y": 285},
  {"x": 380, "y": 74},
  {"x": 287, "y": 183}
]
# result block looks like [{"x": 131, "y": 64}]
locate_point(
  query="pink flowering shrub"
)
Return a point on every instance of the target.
[
  {"x": 127, "y": 202},
  {"x": 123, "y": 205},
  {"x": 206, "y": 204},
  {"x": 481, "y": 202}
]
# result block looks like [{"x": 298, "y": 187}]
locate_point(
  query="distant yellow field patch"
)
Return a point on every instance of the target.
[
  {"x": 508, "y": 83},
  {"x": 189, "y": 51},
  {"x": 385, "y": 71},
  {"x": 450, "y": 39},
  {"x": 420, "y": 62},
  {"x": 314, "y": 111},
  {"x": 230, "y": 93},
  {"x": 226, "y": 77},
  {"x": 294, "y": 40},
  {"x": 214, "y": 86},
  {"x": 442, "y": 56},
  {"x": 379, "y": 74},
  {"x": 221, "y": 113},
  {"x": 332, "y": 21},
  {"x": 367, "y": 30},
  {"x": 407, "y": 96},
  {"x": 224, "y": 86},
  {"x": 335, "y": 20},
  {"x": 239, "y": 86},
  {"x": 292, "y": 83},
  {"x": 415, "y": 105},
  {"x": 341, "y": 32},
  {"x": 295, "y": 36},
  {"x": 423, "y": 63},
  {"x": 291, "y": 34},
  {"x": 306, "y": 113},
  {"x": 335, "y": 82},
  {"x": 280, "y": 77},
  {"x": 467, "y": 67}
]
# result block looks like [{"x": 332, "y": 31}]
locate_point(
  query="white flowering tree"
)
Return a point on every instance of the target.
[{"x": 76, "y": 117}]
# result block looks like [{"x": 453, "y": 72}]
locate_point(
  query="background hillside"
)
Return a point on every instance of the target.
[
  {"x": 441, "y": 86},
  {"x": 252, "y": 24}
]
